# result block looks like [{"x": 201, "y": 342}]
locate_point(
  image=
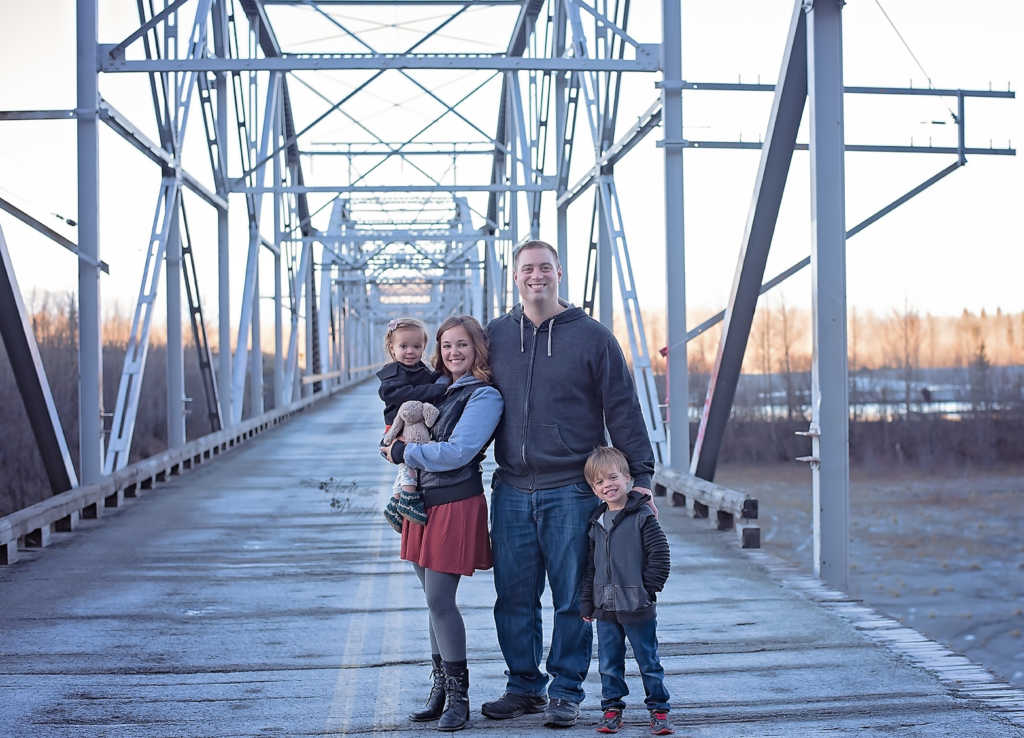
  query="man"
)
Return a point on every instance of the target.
[{"x": 564, "y": 379}]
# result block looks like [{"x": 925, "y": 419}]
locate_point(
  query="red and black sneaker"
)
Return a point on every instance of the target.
[
  {"x": 660, "y": 724},
  {"x": 610, "y": 722}
]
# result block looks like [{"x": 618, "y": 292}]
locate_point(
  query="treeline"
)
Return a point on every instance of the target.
[
  {"x": 902, "y": 412},
  {"x": 55, "y": 324},
  {"x": 780, "y": 339}
]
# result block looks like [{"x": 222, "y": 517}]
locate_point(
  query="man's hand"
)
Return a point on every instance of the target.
[
  {"x": 385, "y": 451},
  {"x": 650, "y": 498}
]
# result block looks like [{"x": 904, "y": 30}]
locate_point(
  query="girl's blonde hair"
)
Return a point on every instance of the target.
[
  {"x": 399, "y": 323},
  {"x": 481, "y": 366}
]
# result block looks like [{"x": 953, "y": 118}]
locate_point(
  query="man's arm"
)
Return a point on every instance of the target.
[{"x": 622, "y": 414}]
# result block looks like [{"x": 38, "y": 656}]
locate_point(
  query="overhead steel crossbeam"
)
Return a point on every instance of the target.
[{"x": 646, "y": 61}]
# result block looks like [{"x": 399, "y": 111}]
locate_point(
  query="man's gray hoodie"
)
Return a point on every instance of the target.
[{"x": 562, "y": 383}]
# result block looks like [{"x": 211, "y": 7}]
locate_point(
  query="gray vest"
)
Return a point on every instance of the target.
[{"x": 455, "y": 484}]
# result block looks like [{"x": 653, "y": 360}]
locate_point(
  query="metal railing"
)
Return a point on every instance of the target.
[
  {"x": 32, "y": 527},
  {"x": 724, "y": 508}
]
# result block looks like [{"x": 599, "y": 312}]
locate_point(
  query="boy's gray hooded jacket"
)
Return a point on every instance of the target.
[
  {"x": 627, "y": 566},
  {"x": 562, "y": 382}
]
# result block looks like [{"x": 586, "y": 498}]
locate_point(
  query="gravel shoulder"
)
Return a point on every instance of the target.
[{"x": 940, "y": 551}]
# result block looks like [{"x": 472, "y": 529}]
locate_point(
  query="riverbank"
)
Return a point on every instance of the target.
[{"x": 941, "y": 552}]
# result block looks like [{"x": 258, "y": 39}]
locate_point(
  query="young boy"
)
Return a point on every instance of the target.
[{"x": 628, "y": 564}]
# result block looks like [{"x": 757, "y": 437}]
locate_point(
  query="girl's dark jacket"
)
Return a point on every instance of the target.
[
  {"x": 399, "y": 383},
  {"x": 627, "y": 566}
]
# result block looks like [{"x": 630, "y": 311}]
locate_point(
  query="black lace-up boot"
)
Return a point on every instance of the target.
[
  {"x": 456, "y": 689},
  {"x": 435, "y": 700}
]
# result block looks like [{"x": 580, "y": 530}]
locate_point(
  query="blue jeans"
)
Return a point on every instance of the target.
[
  {"x": 611, "y": 655},
  {"x": 533, "y": 534}
]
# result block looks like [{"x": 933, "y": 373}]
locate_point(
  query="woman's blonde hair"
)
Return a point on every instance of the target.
[
  {"x": 399, "y": 323},
  {"x": 481, "y": 367}
]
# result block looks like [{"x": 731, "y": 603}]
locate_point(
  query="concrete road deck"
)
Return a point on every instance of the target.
[{"x": 233, "y": 601}]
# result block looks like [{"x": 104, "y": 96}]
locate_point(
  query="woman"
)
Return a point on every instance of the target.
[{"x": 454, "y": 541}]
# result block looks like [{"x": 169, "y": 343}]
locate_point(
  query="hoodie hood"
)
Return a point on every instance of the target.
[
  {"x": 634, "y": 501},
  {"x": 568, "y": 315}
]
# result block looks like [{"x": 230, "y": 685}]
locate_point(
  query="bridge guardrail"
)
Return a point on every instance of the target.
[
  {"x": 724, "y": 508},
  {"x": 32, "y": 526}
]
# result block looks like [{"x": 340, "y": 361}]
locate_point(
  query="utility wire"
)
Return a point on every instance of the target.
[
  {"x": 905, "y": 44},
  {"x": 911, "y": 52}
]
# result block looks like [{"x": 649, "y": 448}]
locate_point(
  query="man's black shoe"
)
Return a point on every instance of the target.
[
  {"x": 561, "y": 714},
  {"x": 511, "y": 705}
]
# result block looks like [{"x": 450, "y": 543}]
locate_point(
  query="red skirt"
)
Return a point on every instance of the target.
[{"x": 453, "y": 541}]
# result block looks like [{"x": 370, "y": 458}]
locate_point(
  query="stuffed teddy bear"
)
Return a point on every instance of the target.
[{"x": 413, "y": 422}]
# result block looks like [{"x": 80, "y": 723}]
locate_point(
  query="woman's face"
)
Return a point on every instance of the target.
[{"x": 457, "y": 351}]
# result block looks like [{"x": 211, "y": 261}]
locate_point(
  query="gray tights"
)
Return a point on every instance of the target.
[{"x": 447, "y": 631}]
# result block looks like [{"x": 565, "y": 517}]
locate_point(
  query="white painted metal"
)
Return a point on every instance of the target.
[
  {"x": 830, "y": 408},
  {"x": 90, "y": 337},
  {"x": 675, "y": 262}
]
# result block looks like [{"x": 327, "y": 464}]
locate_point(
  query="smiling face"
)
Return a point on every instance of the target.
[
  {"x": 457, "y": 351},
  {"x": 611, "y": 485},
  {"x": 407, "y": 346},
  {"x": 537, "y": 276}
]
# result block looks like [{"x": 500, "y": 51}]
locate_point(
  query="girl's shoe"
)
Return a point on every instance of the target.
[{"x": 610, "y": 722}]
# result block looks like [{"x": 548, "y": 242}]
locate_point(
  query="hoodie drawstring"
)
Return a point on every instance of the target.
[{"x": 522, "y": 334}]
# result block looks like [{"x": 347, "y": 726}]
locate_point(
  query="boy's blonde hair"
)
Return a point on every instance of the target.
[
  {"x": 398, "y": 324},
  {"x": 602, "y": 459}
]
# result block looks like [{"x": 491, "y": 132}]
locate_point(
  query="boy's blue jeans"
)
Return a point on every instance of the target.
[
  {"x": 533, "y": 534},
  {"x": 611, "y": 655}
]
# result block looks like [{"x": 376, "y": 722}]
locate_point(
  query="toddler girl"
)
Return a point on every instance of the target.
[{"x": 406, "y": 378}]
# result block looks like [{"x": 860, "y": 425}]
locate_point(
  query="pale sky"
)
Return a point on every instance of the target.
[{"x": 957, "y": 245}]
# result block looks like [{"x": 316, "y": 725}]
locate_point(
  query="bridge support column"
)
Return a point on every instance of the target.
[
  {"x": 175, "y": 349},
  {"x": 829, "y": 390},
  {"x": 220, "y": 40},
  {"x": 675, "y": 262},
  {"x": 90, "y": 335}
]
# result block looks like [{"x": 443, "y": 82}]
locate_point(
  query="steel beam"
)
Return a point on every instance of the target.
[
  {"x": 677, "y": 378},
  {"x": 335, "y": 189},
  {"x": 860, "y": 148},
  {"x": 90, "y": 336},
  {"x": 783, "y": 123},
  {"x": 157, "y": 154},
  {"x": 175, "y": 346},
  {"x": 51, "y": 234},
  {"x": 30, "y": 376},
  {"x": 854, "y": 90},
  {"x": 219, "y": 17},
  {"x": 249, "y": 292},
  {"x": 830, "y": 407},
  {"x": 646, "y": 61}
]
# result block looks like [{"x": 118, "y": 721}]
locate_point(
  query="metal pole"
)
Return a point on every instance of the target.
[
  {"x": 675, "y": 263},
  {"x": 175, "y": 350},
  {"x": 830, "y": 406},
  {"x": 90, "y": 348},
  {"x": 256, "y": 352},
  {"x": 604, "y": 266},
  {"x": 278, "y": 201},
  {"x": 220, "y": 40}
]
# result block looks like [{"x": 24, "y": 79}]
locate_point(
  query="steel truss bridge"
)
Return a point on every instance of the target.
[{"x": 357, "y": 212}]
